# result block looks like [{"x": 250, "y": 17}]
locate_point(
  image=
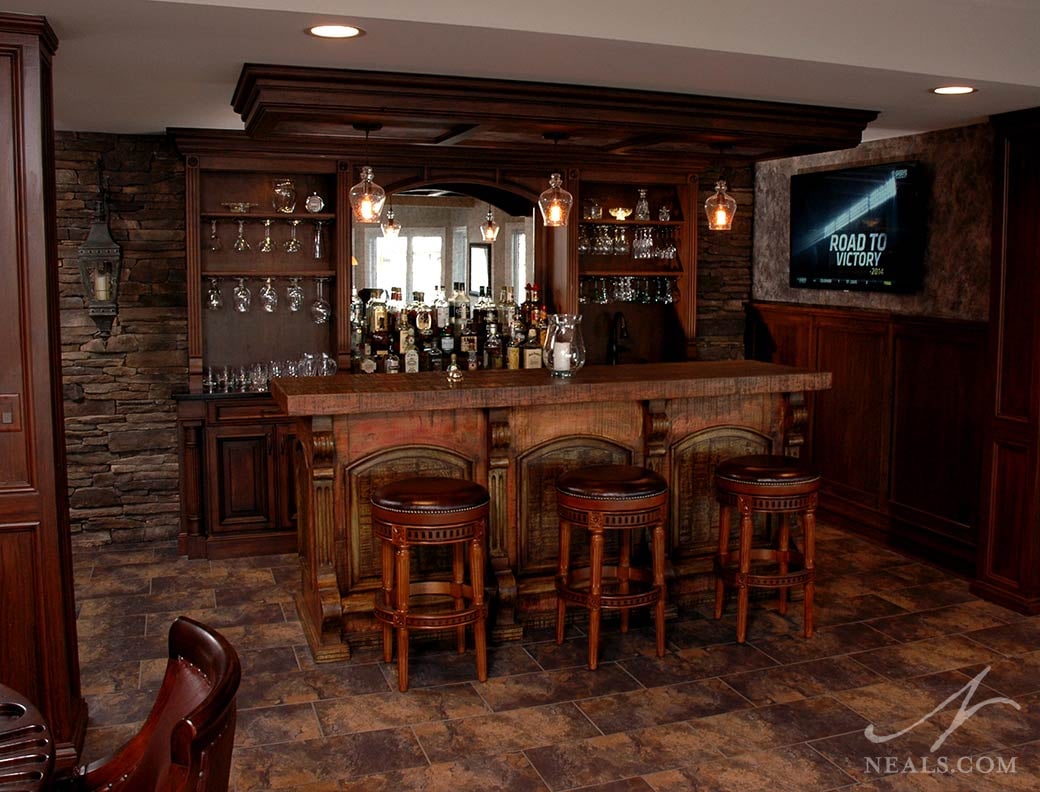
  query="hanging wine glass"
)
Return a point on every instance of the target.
[
  {"x": 320, "y": 308},
  {"x": 215, "y": 245},
  {"x": 294, "y": 295},
  {"x": 214, "y": 299},
  {"x": 292, "y": 244},
  {"x": 267, "y": 246},
  {"x": 268, "y": 297},
  {"x": 318, "y": 247},
  {"x": 243, "y": 297},
  {"x": 241, "y": 245}
]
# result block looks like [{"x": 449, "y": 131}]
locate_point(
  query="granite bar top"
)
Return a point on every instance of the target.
[{"x": 366, "y": 393}]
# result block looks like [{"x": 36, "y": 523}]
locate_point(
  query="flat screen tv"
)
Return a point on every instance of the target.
[{"x": 859, "y": 228}]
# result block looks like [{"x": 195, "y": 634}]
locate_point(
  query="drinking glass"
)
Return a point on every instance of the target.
[
  {"x": 320, "y": 308},
  {"x": 294, "y": 294},
  {"x": 242, "y": 296},
  {"x": 214, "y": 298},
  {"x": 621, "y": 247},
  {"x": 327, "y": 365},
  {"x": 268, "y": 297},
  {"x": 240, "y": 244},
  {"x": 214, "y": 241},
  {"x": 642, "y": 206},
  {"x": 319, "y": 250},
  {"x": 284, "y": 198},
  {"x": 267, "y": 246},
  {"x": 292, "y": 244}
]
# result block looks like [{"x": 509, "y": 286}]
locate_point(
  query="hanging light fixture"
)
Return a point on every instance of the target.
[
  {"x": 489, "y": 228},
  {"x": 391, "y": 228},
  {"x": 555, "y": 202},
  {"x": 367, "y": 197},
  {"x": 720, "y": 207}
]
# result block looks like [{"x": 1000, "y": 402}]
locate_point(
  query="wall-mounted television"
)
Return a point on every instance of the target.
[{"x": 860, "y": 228}]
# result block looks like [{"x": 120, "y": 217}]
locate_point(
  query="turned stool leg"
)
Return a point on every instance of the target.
[
  {"x": 595, "y": 584},
  {"x": 476, "y": 571},
  {"x": 389, "y": 598},
  {"x": 746, "y": 533},
  {"x": 657, "y": 553},
  {"x": 403, "y": 556},
  {"x": 720, "y": 586},
  {"x": 810, "y": 565},
  {"x": 458, "y": 579},
  {"x": 783, "y": 546},
  {"x": 562, "y": 575},
  {"x": 624, "y": 572}
]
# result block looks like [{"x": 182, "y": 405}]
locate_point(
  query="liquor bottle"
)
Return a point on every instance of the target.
[
  {"x": 441, "y": 313},
  {"x": 368, "y": 363},
  {"x": 468, "y": 338},
  {"x": 446, "y": 339},
  {"x": 376, "y": 312},
  {"x": 463, "y": 306},
  {"x": 514, "y": 352},
  {"x": 506, "y": 308},
  {"x": 472, "y": 361},
  {"x": 393, "y": 363},
  {"x": 434, "y": 358},
  {"x": 532, "y": 350},
  {"x": 492, "y": 347},
  {"x": 394, "y": 307},
  {"x": 410, "y": 354},
  {"x": 422, "y": 318},
  {"x": 534, "y": 311}
]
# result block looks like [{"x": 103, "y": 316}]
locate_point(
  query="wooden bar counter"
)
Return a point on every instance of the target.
[{"x": 514, "y": 432}]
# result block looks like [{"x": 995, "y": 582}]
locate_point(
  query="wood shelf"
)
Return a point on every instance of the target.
[
  {"x": 643, "y": 223},
  {"x": 633, "y": 273},
  {"x": 253, "y": 274},
  {"x": 250, "y": 216}
]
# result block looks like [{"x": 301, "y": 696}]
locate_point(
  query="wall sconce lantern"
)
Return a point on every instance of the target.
[{"x": 100, "y": 261}]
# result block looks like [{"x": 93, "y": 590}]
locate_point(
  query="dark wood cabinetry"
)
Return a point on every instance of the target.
[
  {"x": 897, "y": 436},
  {"x": 1009, "y": 559}
]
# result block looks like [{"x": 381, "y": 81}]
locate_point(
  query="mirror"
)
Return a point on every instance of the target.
[{"x": 440, "y": 244}]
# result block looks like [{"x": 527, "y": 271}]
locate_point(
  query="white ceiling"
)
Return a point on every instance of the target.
[{"x": 140, "y": 66}]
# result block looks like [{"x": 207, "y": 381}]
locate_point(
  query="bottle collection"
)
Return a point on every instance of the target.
[{"x": 392, "y": 336}]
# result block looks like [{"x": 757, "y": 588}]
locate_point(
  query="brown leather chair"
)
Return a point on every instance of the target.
[{"x": 186, "y": 742}]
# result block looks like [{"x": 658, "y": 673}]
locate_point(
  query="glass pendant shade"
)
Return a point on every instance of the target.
[
  {"x": 720, "y": 209},
  {"x": 555, "y": 203},
  {"x": 489, "y": 229},
  {"x": 366, "y": 198},
  {"x": 391, "y": 228}
]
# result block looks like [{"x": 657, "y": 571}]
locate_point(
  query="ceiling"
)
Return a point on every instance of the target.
[{"x": 140, "y": 66}]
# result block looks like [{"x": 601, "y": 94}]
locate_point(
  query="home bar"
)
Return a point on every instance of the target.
[{"x": 482, "y": 427}]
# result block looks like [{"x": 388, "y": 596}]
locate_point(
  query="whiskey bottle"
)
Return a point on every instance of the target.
[
  {"x": 532, "y": 350},
  {"x": 441, "y": 314},
  {"x": 463, "y": 306},
  {"x": 393, "y": 363},
  {"x": 492, "y": 347},
  {"x": 368, "y": 363}
]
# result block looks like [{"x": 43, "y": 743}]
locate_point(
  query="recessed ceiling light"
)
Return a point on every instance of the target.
[
  {"x": 953, "y": 90},
  {"x": 336, "y": 31}
]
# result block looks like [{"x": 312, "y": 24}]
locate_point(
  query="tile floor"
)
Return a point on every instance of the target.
[{"x": 895, "y": 639}]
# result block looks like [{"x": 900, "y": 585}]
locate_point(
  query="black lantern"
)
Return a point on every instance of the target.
[{"x": 100, "y": 259}]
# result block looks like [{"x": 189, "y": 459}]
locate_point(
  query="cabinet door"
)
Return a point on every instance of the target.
[
  {"x": 285, "y": 476},
  {"x": 242, "y": 483}
]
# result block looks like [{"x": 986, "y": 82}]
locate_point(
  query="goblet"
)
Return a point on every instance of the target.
[
  {"x": 214, "y": 298},
  {"x": 294, "y": 295},
  {"x": 268, "y": 297},
  {"x": 319, "y": 248},
  {"x": 243, "y": 297},
  {"x": 292, "y": 244},
  {"x": 240, "y": 244},
  {"x": 215, "y": 245},
  {"x": 320, "y": 308},
  {"x": 267, "y": 246}
]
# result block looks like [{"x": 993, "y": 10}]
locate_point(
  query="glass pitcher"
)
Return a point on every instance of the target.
[{"x": 563, "y": 352}]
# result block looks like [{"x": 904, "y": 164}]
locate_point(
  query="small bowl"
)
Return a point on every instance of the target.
[
  {"x": 619, "y": 213},
  {"x": 239, "y": 207}
]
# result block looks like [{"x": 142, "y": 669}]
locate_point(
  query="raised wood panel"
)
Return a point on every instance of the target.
[
  {"x": 781, "y": 336},
  {"x": 242, "y": 492},
  {"x": 1009, "y": 513},
  {"x": 285, "y": 476},
  {"x": 850, "y": 420},
  {"x": 19, "y": 562}
]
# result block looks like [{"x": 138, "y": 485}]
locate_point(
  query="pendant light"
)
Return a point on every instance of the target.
[
  {"x": 720, "y": 207},
  {"x": 367, "y": 197},
  {"x": 391, "y": 228},
  {"x": 489, "y": 228},
  {"x": 555, "y": 203}
]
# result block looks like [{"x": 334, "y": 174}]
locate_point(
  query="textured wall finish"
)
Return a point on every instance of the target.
[{"x": 959, "y": 163}]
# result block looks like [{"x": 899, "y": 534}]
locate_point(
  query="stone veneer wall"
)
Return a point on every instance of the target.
[
  {"x": 957, "y": 256},
  {"x": 119, "y": 417},
  {"x": 724, "y": 269}
]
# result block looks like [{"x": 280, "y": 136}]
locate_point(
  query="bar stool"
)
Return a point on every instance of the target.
[
  {"x": 611, "y": 498},
  {"x": 431, "y": 511},
  {"x": 774, "y": 485}
]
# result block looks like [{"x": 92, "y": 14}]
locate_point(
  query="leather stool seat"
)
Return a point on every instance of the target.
[
  {"x": 771, "y": 484},
  {"x": 430, "y": 510},
  {"x": 620, "y": 498}
]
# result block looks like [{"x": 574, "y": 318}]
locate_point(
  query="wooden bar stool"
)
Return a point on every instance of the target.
[
  {"x": 773, "y": 485},
  {"x": 431, "y": 510},
  {"x": 611, "y": 498}
]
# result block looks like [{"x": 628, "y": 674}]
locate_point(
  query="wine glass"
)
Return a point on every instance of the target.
[
  {"x": 320, "y": 308},
  {"x": 240, "y": 244},
  {"x": 292, "y": 244},
  {"x": 268, "y": 297},
  {"x": 294, "y": 294},
  {"x": 318, "y": 247},
  {"x": 242, "y": 296},
  {"x": 214, "y": 298},
  {"x": 267, "y": 246},
  {"x": 215, "y": 245}
]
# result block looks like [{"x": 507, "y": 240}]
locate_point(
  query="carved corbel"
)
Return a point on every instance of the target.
[{"x": 505, "y": 625}]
